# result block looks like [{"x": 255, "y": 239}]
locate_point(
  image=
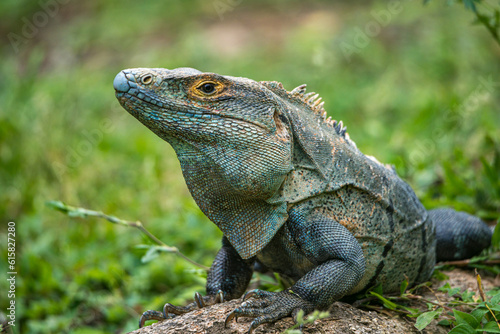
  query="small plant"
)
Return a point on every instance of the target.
[
  {"x": 484, "y": 312},
  {"x": 300, "y": 321},
  {"x": 487, "y": 14},
  {"x": 152, "y": 250}
]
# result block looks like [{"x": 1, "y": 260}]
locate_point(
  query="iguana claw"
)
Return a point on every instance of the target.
[
  {"x": 256, "y": 293},
  {"x": 151, "y": 315},
  {"x": 170, "y": 311},
  {"x": 248, "y": 294},
  {"x": 269, "y": 307},
  {"x": 199, "y": 300},
  {"x": 230, "y": 317},
  {"x": 178, "y": 310},
  {"x": 220, "y": 297}
]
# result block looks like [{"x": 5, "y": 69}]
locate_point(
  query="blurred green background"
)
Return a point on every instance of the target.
[{"x": 417, "y": 85}]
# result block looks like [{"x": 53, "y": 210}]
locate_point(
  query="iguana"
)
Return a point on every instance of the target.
[{"x": 291, "y": 192}]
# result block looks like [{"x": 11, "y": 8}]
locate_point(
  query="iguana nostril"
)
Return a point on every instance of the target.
[
  {"x": 121, "y": 83},
  {"x": 147, "y": 79}
]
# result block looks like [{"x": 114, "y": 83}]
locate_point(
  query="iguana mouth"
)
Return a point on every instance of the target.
[{"x": 131, "y": 95}]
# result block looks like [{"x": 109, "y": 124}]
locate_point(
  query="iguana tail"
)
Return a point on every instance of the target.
[{"x": 459, "y": 235}]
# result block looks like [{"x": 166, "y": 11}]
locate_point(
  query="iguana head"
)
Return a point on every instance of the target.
[
  {"x": 231, "y": 138},
  {"x": 236, "y": 140},
  {"x": 231, "y": 123}
]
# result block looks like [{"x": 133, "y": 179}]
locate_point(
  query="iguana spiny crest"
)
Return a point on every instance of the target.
[{"x": 308, "y": 101}]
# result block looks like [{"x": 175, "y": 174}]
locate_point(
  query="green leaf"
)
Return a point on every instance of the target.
[
  {"x": 414, "y": 312},
  {"x": 465, "y": 318},
  {"x": 315, "y": 316},
  {"x": 462, "y": 329},
  {"x": 69, "y": 210},
  {"x": 439, "y": 275},
  {"x": 403, "y": 286},
  {"x": 425, "y": 318},
  {"x": 467, "y": 296},
  {"x": 444, "y": 322},
  {"x": 469, "y": 4},
  {"x": 378, "y": 289},
  {"x": 479, "y": 313},
  {"x": 496, "y": 298},
  {"x": 387, "y": 303},
  {"x": 300, "y": 317},
  {"x": 150, "y": 255},
  {"x": 57, "y": 205},
  {"x": 490, "y": 173},
  {"x": 490, "y": 327},
  {"x": 451, "y": 291},
  {"x": 495, "y": 239}
]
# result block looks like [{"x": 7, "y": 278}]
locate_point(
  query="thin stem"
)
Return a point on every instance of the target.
[
  {"x": 483, "y": 297},
  {"x": 425, "y": 300},
  {"x": 493, "y": 29},
  {"x": 465, "y": 263},
  {"x": 141, "y": 227},
  {"x": 73, "y": 211}
]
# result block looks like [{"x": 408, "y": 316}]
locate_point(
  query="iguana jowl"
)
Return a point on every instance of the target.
[{"x": 290, "y": 191}]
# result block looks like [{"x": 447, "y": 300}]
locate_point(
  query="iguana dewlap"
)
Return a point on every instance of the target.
[{"x": 291, "y": 192}]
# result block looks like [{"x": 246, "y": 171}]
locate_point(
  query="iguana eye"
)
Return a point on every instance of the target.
[
  {"x": 147, "y": 79},
  {"x": 207, "y": 88}
]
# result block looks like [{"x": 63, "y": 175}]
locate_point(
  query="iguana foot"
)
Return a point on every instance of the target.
[
  {"x": 170, "y": 311},
  {"x": 269, "y": 307}
]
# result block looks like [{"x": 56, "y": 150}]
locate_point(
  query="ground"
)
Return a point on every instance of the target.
[{"x": 344, "y": 318}]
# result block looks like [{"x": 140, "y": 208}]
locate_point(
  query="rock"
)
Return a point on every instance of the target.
[{"x": 344, "y": 318}]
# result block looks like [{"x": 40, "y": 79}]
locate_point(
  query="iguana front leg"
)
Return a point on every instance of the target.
[
  {"x": 227, "y": 279},
  {"x": 340, "y": 266}
]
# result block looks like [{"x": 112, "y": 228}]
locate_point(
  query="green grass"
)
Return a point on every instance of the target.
[{"x": 407, "y": 98}]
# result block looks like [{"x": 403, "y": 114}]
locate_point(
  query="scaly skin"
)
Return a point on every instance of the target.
[{"x": 290, "y": 191}]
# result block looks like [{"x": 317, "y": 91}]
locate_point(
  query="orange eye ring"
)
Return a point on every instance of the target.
[{"x": 208, "y": 88}]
